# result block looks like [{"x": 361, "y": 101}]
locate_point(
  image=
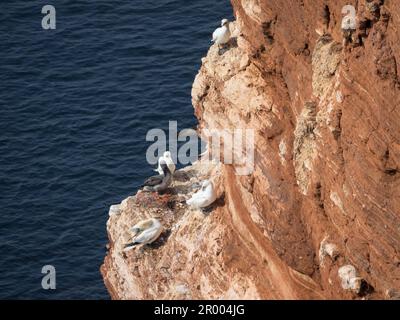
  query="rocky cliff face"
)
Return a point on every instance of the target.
[{"x": 319, "y": 217}]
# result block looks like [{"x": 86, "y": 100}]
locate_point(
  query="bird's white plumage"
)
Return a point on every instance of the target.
[
  {"x": 222, "y": 35},
  {"x": 145, "y": 232},
  {"x": 204, "y": 197},
  {"x": 167, "y": 158}
]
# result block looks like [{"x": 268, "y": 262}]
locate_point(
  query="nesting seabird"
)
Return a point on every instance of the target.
[
  {"x": 167, "y": 158},
  {"x": 144, "y": 232},
  {"x": 160, "y": 182},
  {"x": 204, "y": 197},
  {"x": 222, "y": 35}
]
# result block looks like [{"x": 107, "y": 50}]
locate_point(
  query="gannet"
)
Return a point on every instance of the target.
[
  {"x": 222, "y": 35},
  {"x": 168, "y": 160},
  {"x": 160, "y": 182},
  {"x": 204, "y": 197},
  {"x": 144, "y": 232}
]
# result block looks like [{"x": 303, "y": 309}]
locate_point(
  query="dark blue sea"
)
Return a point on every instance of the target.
[{"x": 76, "y": 104}]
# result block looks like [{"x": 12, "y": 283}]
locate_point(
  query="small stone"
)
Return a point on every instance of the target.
[
  {"x": 181, "y": 289},
  {"x": 349, "y": 278},
  {"x": 327, "y": 249},
  {"x": 393, "y": 294},
  {"x": 244, "y": 62},
  {"x": 339, "y": 97},
  {"x": 115, "y": 209}
]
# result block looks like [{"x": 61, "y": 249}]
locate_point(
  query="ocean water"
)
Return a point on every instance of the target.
[{"x": 76, "y": 104}]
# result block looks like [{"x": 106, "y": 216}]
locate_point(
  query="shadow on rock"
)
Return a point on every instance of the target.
[
  {"x": 162, "y": 240},
  {"x": 220, "y": 202},
  {"x": 226, "y": 47}
]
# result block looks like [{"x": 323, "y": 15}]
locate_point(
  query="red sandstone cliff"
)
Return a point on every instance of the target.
[{"x": 325, "y": 190}]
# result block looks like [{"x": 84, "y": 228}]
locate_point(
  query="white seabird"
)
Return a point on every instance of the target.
[
  {"x": 144, "y": 232},
  {"x": 167, "y": 158},
  {"x": 204, "y": 197},
  {"x": 222, "y": 35},
  {"x": 160, "y": 182}
]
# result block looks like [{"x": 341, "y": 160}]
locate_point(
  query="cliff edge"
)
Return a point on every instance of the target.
[{"x": 319, "y": 217}]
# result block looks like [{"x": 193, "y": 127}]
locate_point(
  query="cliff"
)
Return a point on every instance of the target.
[{"x": 319, "y": 217}]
